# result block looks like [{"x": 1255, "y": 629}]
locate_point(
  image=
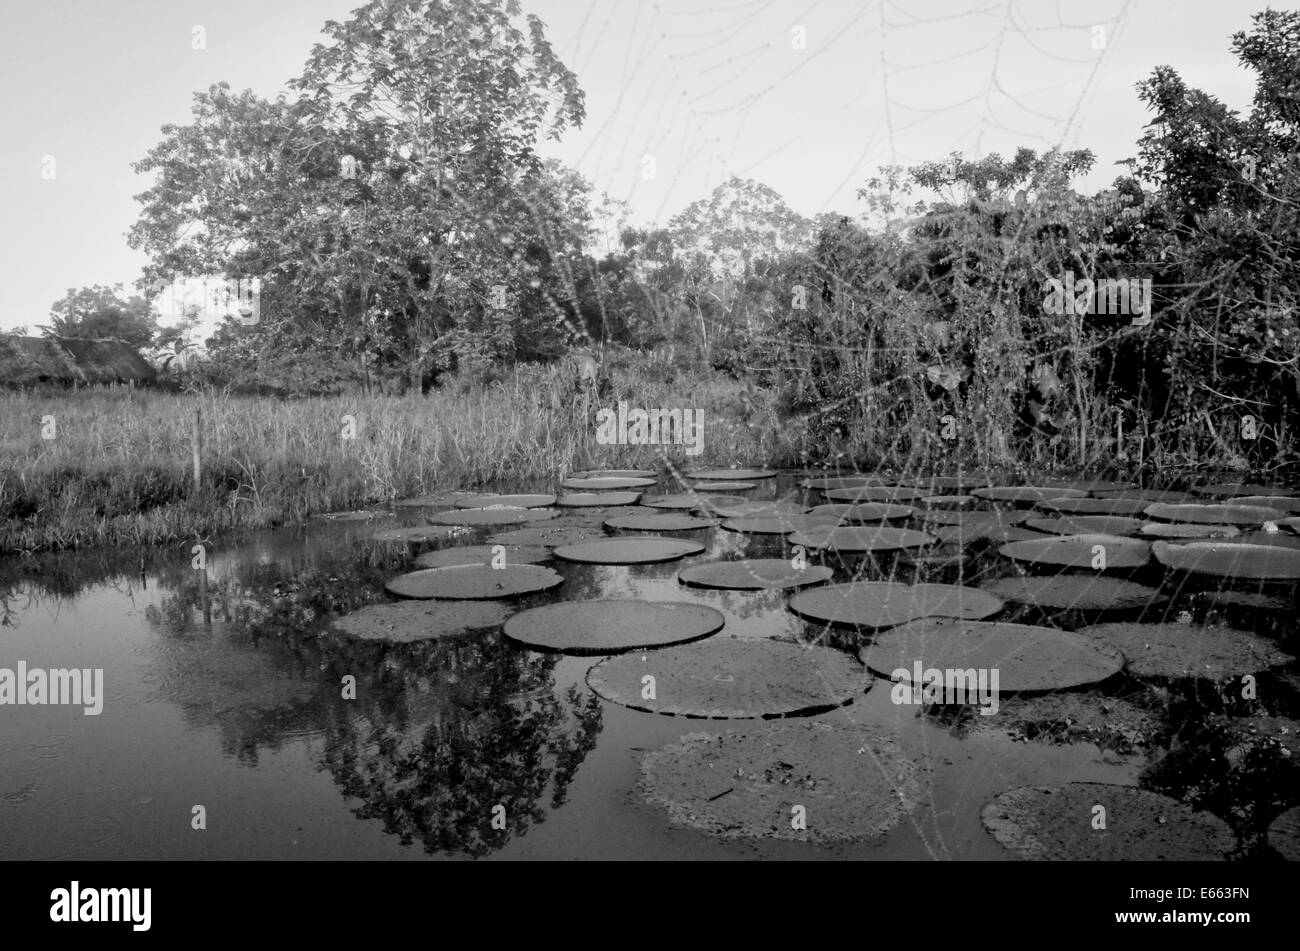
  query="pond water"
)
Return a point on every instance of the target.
[{"x": 224, "y": 688}]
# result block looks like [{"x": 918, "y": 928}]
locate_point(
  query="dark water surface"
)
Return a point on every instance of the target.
[{"x": 222, "y": 689}]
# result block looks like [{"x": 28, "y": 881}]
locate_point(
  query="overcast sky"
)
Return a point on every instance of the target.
[{"x": 709, "y": 88}]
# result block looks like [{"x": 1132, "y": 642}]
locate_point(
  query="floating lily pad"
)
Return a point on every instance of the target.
[
  {"x": 1150, "y": 495},
  {"x": 482, "y": 555},
  {"x": 406, "y": 621},
  {"x": 1284, "y": 834},
  {"x": 660, "y": 523},
  {"x": 690, "y": 500},
  {"x": 606, "y": 484},
  {"x": 778, "y": 524},
  {"x": 417, "y": 533},
  {"x": 1080, "y": 551},
  {"x": 839, "y": 482},
  {"x": 756, "y": 509},
  {"x": 861, "y": 538},
  {"x": 1073, "y": 506},
  {"x": 491, "y": 516},
  {"x": 726, "y": 678},
  {"x": 725, "y": 486},
  {"x": 753, "y": 574},
  {"x": 1286, "y": 504},
  {"x": 611, "y": 626},
  {"x": 881, "y": 604},
  {"x": 1234, "y": 490},
  {"x": 1189, "y": 530},
  {"x": 854, "y": 784},
  {"x": 1086, "y": 525},
  {"x": 949, "y": 502},
  {"x": 1231, "y": 560},
  {"x": 1026, "y": 657},
  {"x": 1026, "y": 495},
  {"x": 864, "y": 511},
  {"x": 1056, "y": 824},
  {"x": 614, "y": 474},
  {"x": 510, "y": 501},
  {"x": 730, "y": 475},
  {"x": 877, "y": 493},
  {"x": 1211, "y": 514},
  {"x": 628, "y": 551},
  {"x": 1082, "y": 592},
  {"x": 1277, "y": 539},
  {"x": 551, "y": 536},
  {"x": 474, "y": 582},
  {"x": 1188, "y": 651},
  {"x": 587, "y": 500}
]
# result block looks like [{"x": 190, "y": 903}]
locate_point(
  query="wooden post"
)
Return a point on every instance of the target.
[{"x": 196, "y": 447}]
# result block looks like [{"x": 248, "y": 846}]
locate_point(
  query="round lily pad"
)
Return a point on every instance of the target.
[
  {"x": 1286, "y": 504},
  {"x": 691, "y": 500},
  {"x": 482, "y": 555},
  {"x": 611, "y": 626},
  {"x": 1086, "y": 525},
  {"x": 628, "y": 551},
  {"x": 955, "y": 502},
  {"x": 550, "y": 536},
  {"x": 1026, "y": 657},
  {"x": 417, "y": 533},
  {"x": 491, "y": 516},
  {"x": 660, "y": 523},
  {"x": 725, "y": 678},
  {"x": 406, "y": 621},
  {"x": 1056, "y": 823},
  {"x": 1189, "y": 530},
  {"x": 474, "y": 582},
  {"x": 864, "y": 511},
  {"x": 1231, "y": 560},
  {"x": 881, "y": 604},
  {"x": 1211, "y": 514},
  {"x": 1081, "y": 551},
  {"x": 614, "y": 474},
  {"x": 588, "y": 500},
  {"x": 606, "y": 484},
  {"x": 1234, "y": 490},
  {"x": 877, "y": 493},
  {"x": 753, "y": 574},
  {"x": 1188, "y": 651},
  {"x": 1081, "y": 592},
  {"x": 1026, "y": 495},
  {"x": 510, "y": 501},
  {"x": 1284, "y": 834},
  {"x": 778, "y": 524},
  {"x": 725, "y": 486},
  {"x": 730, "y": 475},
  {"x": 755, "y": 509},
  {"x": 853, "y": 784},
  {"x": 1073, "y": 506},
  {"x": 861, "y": 538}
]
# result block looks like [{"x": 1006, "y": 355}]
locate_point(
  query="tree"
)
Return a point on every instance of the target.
[{"x": 97, "y": 312}]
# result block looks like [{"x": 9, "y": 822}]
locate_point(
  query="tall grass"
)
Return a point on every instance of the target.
[{"x": 119, "y": 468}]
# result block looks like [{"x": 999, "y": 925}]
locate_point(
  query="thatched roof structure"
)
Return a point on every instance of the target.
[{"x": 26, "y": 361}]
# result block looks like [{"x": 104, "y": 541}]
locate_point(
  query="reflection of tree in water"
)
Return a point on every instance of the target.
[{"x": 440, "y": 731}]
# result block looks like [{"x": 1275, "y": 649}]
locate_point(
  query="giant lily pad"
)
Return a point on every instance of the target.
[
  {"x": 1073, "y": 506},
  {"x": 606, "y": 484},
  {"x": 1287, "y": 505},
  {"x": 864, "y": 511},
  {"x": 753, "y": 574},
  {"x": 1056, "y": 823},
  {"x": 611, "y": 626},
  {"x": 877, "y": 493},
  {"x": 755, "y": 509},
  {"x": 731, "y": 678},
  {"x": 406, "y": 621},
  {"x": 1025, "y": 657},
  {"x": 1189, "y": 530},
  {"x": 1212, "y": 514},
  {"x": 1235, "y": 490},
  {"x": 1186, "y": 651},
  {"x": 1086, "y": 525},
  {"x": 861, "y": 538},
  {"x": 654, "y": 522},
  {"x": 417, "y": 533},
  {"x": 636, "y": 550},
  {"x": 509, "y": 501},
  {"x": 853, "y": 784},
  {"x": 1080, "y": 551},
  {"x": 590, "y": 500},
  {"x": 1231, "y": 560},
  {"x": 1026, "y": 495},
  {"x": 724, "y": 486},
  {"x": 955, "y": 502},
  {"x": 491, "y": 516},
  {"x": 691, "y": 500},
  {"x": 1081, "y": 592},
  {"x": 839, "y": 482},
  {"x": 730, "y": 475},
  {"x": 614, "y": 474},
  {"x": 550, "y": 536},
  {"x": 1149, "y": 495},
  {"x": 881, "y": 604},
  {"x": 474, "y": 582},
  {"x": 1284, "y": 834},
  {"x": 483, "y": 555}
]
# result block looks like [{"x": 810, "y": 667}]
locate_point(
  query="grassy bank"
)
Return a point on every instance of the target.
[{"x": 118, "y": 470}]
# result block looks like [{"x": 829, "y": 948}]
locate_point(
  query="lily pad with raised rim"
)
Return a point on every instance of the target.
[
  {"x": 1080, "y": 551},
  {"x": 861, "y": 538},
  {"x": 730, "y": 475},
  {"x": 404, "y": 622},
  {"x": 606, "y": 484},
  {"x": 474, "y": 582},
  {"x": 510, "y": 501},
  {"x": 1072, "y": 506},
  {"x": 612, "y": 626},
  {"x": 753, "y": 574},
  {"x": 881, "y": 604},
  {"x": 1231, "y": 560},
  {"x": 482, "y": 555},
  {"x": 628, "y": 551},
  {"x": 590, "y": 500},
  {"x": 1211, "y": 514},
  {"x": 685, "y": 501},
  {"x": 659, "y": 523}
]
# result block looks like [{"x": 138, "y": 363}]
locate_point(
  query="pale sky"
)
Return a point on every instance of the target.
[{"x": 709, "y": 88}]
